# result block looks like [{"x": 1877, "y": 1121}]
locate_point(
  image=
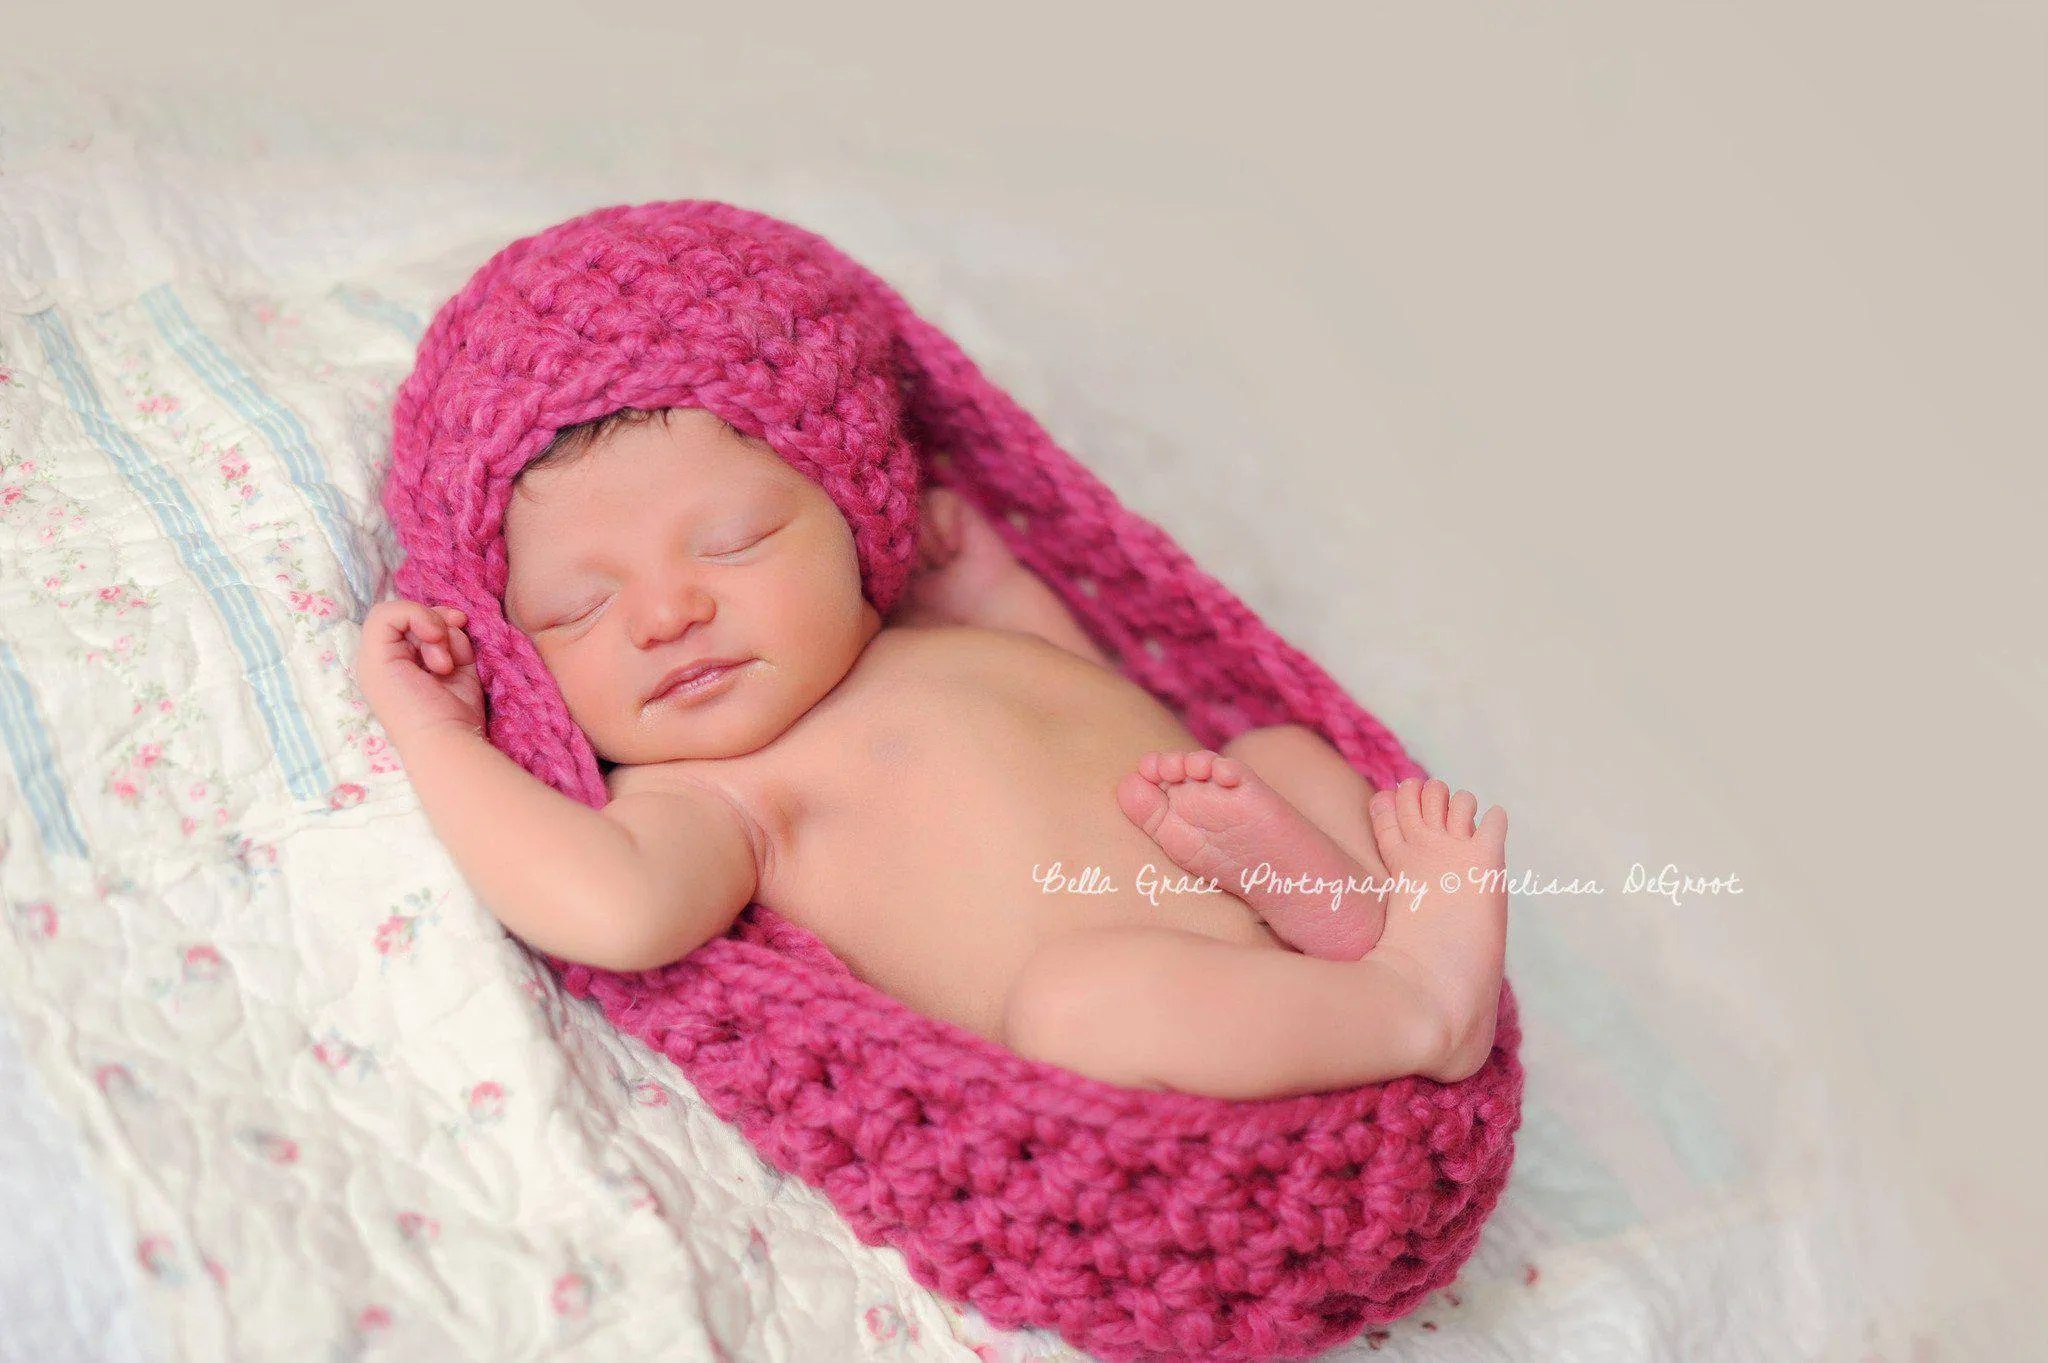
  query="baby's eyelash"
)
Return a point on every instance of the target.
[
  {"x": 563, "y": 620},
  {"x": 745, "y": 544}
]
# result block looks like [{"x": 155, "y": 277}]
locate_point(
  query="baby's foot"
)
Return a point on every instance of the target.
[
  {"x": 1214, "y": 818},
  {"x": 1452, "y": 944}
]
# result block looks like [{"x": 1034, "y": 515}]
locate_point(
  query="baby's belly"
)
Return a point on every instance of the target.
[
  {"x": 992, "y": 829},
  {"x": 948, "y": 937}
]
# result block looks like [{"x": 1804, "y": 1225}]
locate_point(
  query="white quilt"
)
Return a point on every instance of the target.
[{"x": 284, "y": 1090}]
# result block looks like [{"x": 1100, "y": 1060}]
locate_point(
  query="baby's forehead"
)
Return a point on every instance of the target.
[
  {"x": 562, "y": 511},
  {"x": 562, "y": 515}
]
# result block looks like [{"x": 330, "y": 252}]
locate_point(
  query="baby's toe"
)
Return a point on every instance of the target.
[
  {"x": 1463, "y": 805},
  {"x": 1386, "y": 820},
  {"x": 1200, "y": 765},
  {"x": 1172, "y": 767},
  {"x": 1435, "y": 796},
  {"x": 1142, "y": 802},
  {"x": 1408, "y": 805},
  {"x": 1493, "y": 829}
]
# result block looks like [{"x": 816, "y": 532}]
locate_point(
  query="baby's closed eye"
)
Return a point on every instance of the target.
[
  {"x": 571, "y": 616},
  {"x": 728, "y": 545}
]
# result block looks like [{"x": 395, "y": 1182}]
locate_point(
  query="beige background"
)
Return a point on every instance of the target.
[{"x": 1686, "y": 360}]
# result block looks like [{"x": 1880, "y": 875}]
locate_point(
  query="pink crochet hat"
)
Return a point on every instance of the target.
[{"x": 685, "y": 304}]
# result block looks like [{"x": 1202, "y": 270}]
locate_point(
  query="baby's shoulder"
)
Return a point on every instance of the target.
[
  {"x": 761, "y": 816},
  {"x": 922, "y": 646},
  {"x": 754, "y": 791}
]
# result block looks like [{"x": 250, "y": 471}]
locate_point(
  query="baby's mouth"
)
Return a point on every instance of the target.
[{"x": 704, "y": 681}]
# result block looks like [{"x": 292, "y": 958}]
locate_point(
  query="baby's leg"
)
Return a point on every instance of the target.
[
  {"x": 1453, "y": 942},
  {"x": 1297, "y": 847},
  {"x": 1163, "y": 1008}
]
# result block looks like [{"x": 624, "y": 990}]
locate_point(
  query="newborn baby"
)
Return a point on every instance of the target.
[{"x": 964, "y": 802}]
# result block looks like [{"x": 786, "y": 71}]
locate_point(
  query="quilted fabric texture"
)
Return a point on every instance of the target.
[{"x": 1138, "y": 1224}]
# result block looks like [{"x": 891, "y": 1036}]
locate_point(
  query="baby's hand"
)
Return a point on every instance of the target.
[
  {"x": 939, "y": 523},
  {"x": 417, "y": 669},
  {"x": 962, "y": 564}
]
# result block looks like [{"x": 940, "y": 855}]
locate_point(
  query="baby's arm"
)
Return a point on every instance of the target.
[
  {"x": 643, "y": 883},
  {"x": 968, "y": 576}
]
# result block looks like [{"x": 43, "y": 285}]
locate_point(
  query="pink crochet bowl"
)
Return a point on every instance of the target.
[{"x": 1137, "y": 1224}]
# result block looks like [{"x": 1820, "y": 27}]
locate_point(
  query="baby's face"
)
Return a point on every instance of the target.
[{"x": 674, "y": 542}]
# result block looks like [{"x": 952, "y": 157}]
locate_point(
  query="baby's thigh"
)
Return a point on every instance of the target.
[{"x": 1165, "y": 1008}]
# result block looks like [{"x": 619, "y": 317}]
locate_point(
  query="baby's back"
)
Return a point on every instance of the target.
[{"x": 951, "y": 805}]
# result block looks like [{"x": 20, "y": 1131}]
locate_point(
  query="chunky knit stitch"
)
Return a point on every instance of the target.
[{"x": 1137, "y": 1224}]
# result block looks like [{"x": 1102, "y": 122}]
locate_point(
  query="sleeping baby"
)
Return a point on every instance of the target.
[{"x": 964, "y": 801}]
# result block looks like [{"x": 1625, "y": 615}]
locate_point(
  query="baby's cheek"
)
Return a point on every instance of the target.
[{"x": 574, "y": 690}]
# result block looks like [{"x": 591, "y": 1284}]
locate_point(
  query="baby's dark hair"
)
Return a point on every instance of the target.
[{"x": 573, "y": 443}]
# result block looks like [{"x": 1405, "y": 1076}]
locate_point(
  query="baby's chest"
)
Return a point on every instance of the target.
[
  {"x": 930, "y": 817},
  {"x": 934, "y": 814}
]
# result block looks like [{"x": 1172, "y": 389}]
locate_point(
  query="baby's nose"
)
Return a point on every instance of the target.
[{"x": 665, "y": 615}]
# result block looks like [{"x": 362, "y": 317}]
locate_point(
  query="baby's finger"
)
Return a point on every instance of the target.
[
  {"x": 428, "y": 629},
  {"x": 417, "y": 619},
  {"x": 396, "y": 629},
  {"x": 952, "y": 512},
  {"x": 465, "y": 651},
  {"x": 931, "y": 542},
  {"x": 386, "y": 620}
]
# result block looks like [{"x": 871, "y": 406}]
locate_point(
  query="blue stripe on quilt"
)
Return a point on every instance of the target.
[
  {"x": 35, "y": 764},
  {"x": 366, "y": 304},
  {"x": 278, "y": 426},
  {"x": 240, "y": 609}
]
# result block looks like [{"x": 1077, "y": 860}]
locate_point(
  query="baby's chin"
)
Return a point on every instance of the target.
[{"x": 677, "y": 739}]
